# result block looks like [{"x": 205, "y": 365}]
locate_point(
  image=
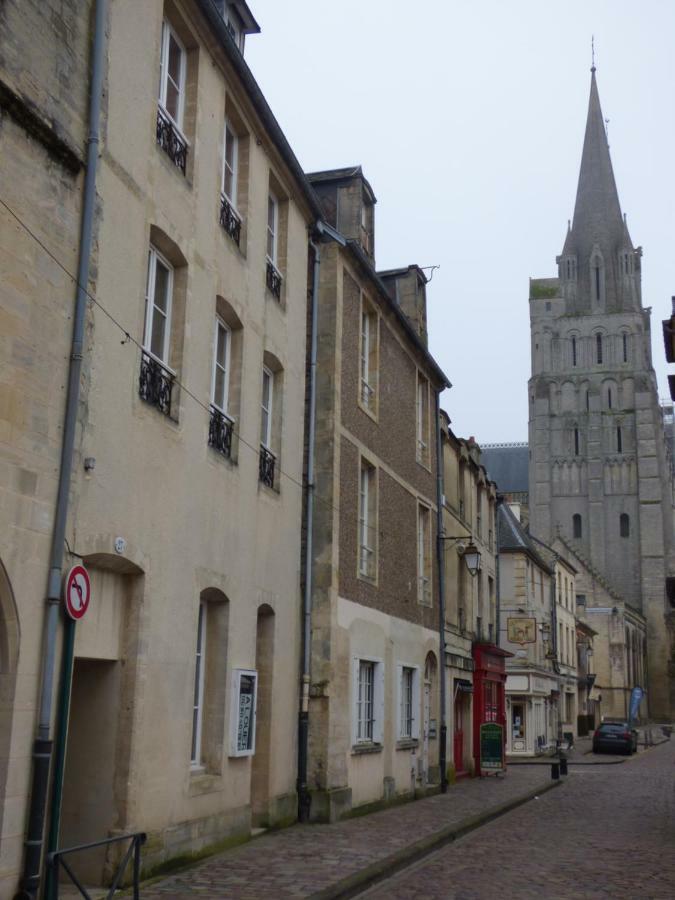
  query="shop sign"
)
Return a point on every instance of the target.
[
  {"x": 243, "y": 712},
  {"x": 491, "y": 746},
  {"x": 521, "y": 630}
]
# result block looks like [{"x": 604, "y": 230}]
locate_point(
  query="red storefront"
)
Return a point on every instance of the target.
[{"x": 489, "y": 691}]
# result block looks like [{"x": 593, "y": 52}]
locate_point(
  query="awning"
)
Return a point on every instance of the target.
[{"x": 463, "y": 686}]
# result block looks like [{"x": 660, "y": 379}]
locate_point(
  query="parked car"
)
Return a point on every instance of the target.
[{"x": 615, "y": 737}]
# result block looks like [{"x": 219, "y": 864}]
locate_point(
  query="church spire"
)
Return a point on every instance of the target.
[{"x": 598, "y": 240}]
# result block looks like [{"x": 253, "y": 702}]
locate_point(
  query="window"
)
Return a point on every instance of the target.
[
  {"x": 221, "y": 367},
  {"x": 619, "y": 440},
  {"x": 598, "y": 348},
  {"x": 409, "y": 702},
  {"x": 424, "y": 555},
  {"x": 491, "y": 701},
  {"x": 368, "y": 390},
  {"x": 422, "y": 420},
  {"x": 576, "y": 442},
  {"x": 230, "y": 165},
  {"x": 266, "y": 408},
  {"x": 365, "y": 701},
  {"x": 624, "y": 341},
  {"x": 624, "y": 525},
  {"x": 367, "y": 515},
  {"x": 172, "y": 75},
  {"x": 574, "y": 351},
  {"x": 576, "y": 525},
  {"x": 272, "y": 227},
  {"x": 198, "y": 696},
  {"x": 158, "y": 306},
  {"x": 243, "y": 712},
  {"x": 609, "y": 398}
]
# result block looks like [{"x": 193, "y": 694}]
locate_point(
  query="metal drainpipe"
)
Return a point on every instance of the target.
[
  {"x": 442, "y": 750},
  {"x": 304, "y": 799},
  {"x": 498, "y": 612},
  {"x": 42, "y": 746}
]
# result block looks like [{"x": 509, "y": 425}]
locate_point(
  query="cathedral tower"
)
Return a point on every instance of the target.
[{"x": 599, "y": 476}]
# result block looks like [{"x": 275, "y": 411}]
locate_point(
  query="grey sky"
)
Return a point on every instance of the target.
[{"x": 468, "y": 119}]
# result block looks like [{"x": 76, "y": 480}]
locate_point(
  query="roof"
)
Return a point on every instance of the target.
[
  {"x": 508, "y": 465},
  {"x": 344, "y": 174},
  {"x": 552, "y": 556},
  {"x": 403, "y": 270},
  {"x": 514, "y": 539}
]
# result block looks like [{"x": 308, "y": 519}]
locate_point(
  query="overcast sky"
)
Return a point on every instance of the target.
[{"x": 468, "y": 120}]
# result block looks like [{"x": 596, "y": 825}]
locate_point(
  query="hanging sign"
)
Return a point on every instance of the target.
[
  {"x": 521, "y": 630},
  {"x": 77, "y": 592},
  {"x": 491, "y": 746}
]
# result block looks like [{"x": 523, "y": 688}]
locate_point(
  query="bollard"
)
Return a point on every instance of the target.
[
  {"x": 555, "y": 771},
  {"x": 563, "y": 765}
]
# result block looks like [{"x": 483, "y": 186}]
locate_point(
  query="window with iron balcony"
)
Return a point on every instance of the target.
[
  {"x": 273, "y": 277},
  {"x": 221, "y": 425},
  {"x": 171, "y": 102},
  {"x": 156, "y": 379},
  {"x": 229, "y": 217}
]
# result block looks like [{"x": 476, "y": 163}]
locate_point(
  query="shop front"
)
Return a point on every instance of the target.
[
  {"x": 489, "y": 679},
  {"x": 532, "y": 713}
]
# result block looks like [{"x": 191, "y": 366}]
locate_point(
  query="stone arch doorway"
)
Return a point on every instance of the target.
[
  {"x": 9, "y": 659},
  {"x": 261, "y": 763}
]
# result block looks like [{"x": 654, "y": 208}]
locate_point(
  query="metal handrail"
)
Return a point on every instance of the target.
[{"x": 56, "y": 859}]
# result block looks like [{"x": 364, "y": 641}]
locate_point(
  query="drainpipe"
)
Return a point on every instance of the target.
[
  {"x": 498, "y": 611},
  {"x": 42, "y": 746},
  {"x": 304, "y": 799},
  {"x": 442, "y": 750}
]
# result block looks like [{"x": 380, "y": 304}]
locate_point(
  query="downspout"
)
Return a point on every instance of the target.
[
  {"x": 498, "y": 611},
  {"x": 304, "y": 799},
  {"x": 442, "y": 750},
  {"x": 42, "y": 746}
]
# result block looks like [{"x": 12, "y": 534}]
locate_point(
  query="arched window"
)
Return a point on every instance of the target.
[
  {"x": 624, "y": 341},
  {"x": 609, "y": 398},
  {"x": 576, "y": 442},
  {"x": 619, "y": 440},
  {"x": 576, "y": 525},
  {"x": 598, "y": 348},
  {"x": 574, "y": 350},
  {"x": 624, "y": 525}
]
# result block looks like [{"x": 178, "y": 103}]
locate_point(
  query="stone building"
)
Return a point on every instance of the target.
[
  {"x": 374, "y": 707},
  {"x": 186, "y": 492},
  {"x": 469, "y": 516},
  {"x": 599, "y": 475}
]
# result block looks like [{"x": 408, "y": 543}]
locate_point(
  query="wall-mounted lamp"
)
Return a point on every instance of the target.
[{"x": 471, "y": 554}]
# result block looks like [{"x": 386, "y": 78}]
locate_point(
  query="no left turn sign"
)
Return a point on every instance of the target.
[{"x": 77, "y": 592}]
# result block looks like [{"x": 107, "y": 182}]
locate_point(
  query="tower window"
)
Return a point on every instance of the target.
[
  {"x": 624, "y": 525},
  {"x": 598, "y": 348},
  {"x": 588, "y": 400},
  {"x": 576, "y": 525},
  {"x": 576, "y": 441},
  {"x": 625, "y": 347},
  {"x": 619, "y": 440},
  {"x": 609, "y": 398},
  {"x": 574, "y": 351}
]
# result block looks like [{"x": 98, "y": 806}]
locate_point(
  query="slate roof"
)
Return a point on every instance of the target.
[
  {"x": 507, "y": 465},
  {"x": 513, "y": 538}
]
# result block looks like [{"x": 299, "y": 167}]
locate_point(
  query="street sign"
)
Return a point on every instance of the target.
[
  {"x": 521, "y": 629},
  {"x": 491, "y": 746},
  {"x": 77, "y": 592}
]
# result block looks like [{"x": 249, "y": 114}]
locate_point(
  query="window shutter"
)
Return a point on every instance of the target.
[
  {"x": 378, "y": 725},
  {"x": 399, "y": 700}
]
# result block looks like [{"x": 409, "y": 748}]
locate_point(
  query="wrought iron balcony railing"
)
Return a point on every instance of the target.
[
  {"x": 221, "y": 427},
  {"x": 266, "y": 466},
  {"x": 229, "y": 219},
  {"x": 274, "y": 279},
  {"x": 171, "y": 140},
  {"x": 155, "y": 383}
]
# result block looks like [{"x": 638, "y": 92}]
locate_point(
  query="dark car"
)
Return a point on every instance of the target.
[{"x": 615, "y": 737}]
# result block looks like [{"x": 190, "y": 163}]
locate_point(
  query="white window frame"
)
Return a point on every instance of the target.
[
  {"x": 367, "y": 553},
  {"x": 168, "y": 33},
  {"x": 198, "y": 689},
  {"x": 235, "y": 700},
  {"x": 423, "y": 555},
  {"x": 266, "y": 439},
  {"x": 154, "y": 256},
  {"x": 223, "y": 408},
  {"x": 273, "y": 229},
  {"x": 374, "y": 734},
  {"x": 405, "y": 672},
  {"x": 423, "y": 394},
  {"x": 368, "y": 341},
  {"x": 234, "y": 169}
]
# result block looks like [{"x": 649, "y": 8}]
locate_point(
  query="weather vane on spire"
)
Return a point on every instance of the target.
[{"x": 592, "y": 53}]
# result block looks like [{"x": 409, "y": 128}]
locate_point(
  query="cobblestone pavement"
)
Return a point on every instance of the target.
[
  {"x": 609, "y": 832},
  {"x": 304, "y": 859}
]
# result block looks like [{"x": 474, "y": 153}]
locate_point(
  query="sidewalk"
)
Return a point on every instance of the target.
[
  {"x": 582, "y": 752},
  {"x": 331, "y": 861}
]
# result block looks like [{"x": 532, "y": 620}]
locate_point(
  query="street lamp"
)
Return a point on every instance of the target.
[{"x": 470, "y": 554}]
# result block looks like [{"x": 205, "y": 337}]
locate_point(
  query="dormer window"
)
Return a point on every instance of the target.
[
  {"x": 366, "y": 216},
  {"x": 238, "y": 20}
]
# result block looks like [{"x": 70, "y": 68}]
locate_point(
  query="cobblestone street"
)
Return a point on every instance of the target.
[{"x": 610, "y": 832}]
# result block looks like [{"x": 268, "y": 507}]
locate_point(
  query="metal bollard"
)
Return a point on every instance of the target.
[
  {"x": 555, "y": 771},
  {"x": 563, "y": 765}
]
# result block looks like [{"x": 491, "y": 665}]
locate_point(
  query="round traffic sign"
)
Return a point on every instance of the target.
[{"x": 77, "y": 592}]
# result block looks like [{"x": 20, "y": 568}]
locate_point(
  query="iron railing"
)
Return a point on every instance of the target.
[
  {"x": 266, "y": 466},
  {"x": 220, "y": 432},
  {"x": 155, "y": 383},
  {"x": 229, "y": 219},
  {"x": 57, "y": 860},
  {"x": 171, "y": 140},
  {"x": 273, "y": 279}
]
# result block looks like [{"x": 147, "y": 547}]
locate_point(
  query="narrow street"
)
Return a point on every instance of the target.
[{"x": 610, "y": 832}]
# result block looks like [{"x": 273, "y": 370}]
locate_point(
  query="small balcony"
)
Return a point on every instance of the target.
[
  {"x": 171, "y": 140},
  {"x": 266, "y": 466},
  {"x": 273, "y": 279},
  {"x": 229, "y": 219},
  {"x": 155, "y": 383},
  {"x": 221, "y": 427}
]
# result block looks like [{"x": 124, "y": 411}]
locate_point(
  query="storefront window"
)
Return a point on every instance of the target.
[
  {"x": 491, "y": 701},
  {"x": 518, "y": 721}
]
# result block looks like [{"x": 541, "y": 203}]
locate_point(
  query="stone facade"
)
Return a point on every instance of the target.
[
  {"x": 600, "y": 475},
  {"x": 193, "y": 545},
  {"x": 373, "y": 714}
]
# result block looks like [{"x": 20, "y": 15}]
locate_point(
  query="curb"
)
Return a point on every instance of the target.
[{"x": 356, "y": 883}]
